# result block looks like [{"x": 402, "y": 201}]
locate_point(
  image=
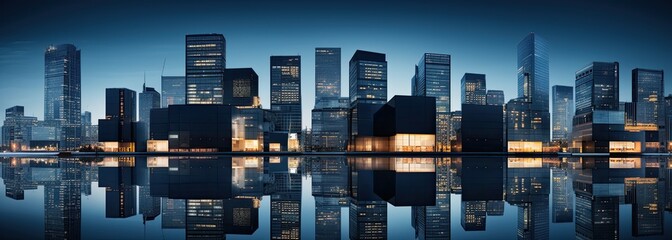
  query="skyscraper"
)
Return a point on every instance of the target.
[
  {"x": 647, "y": 95},
  {"x": 598, "y": 124},
  {"x": 473, "y": 89},
  {"x": 62, "y": 93},
  {"x": 368, "y": 92},
  {"x": 286, "y": 92},
  {"x": 117, "y": 130},
  {"x": 205, "y": 64},
  {"x": 173, "y": 90},
  {"x": 533, "y": 71},
  {"x": 327, "y": 73},
  {"x": 563, "y": 111},
  {"x": 149, "y": 99},
  {"x": 432, "y": 79},
  {"x": 330, "y": 115},
  {"x": 528, "y": 116},
  {"x": 495, "y": 97}
]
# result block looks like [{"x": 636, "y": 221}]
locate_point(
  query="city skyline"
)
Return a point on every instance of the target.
[{"x": 119, "y": 60}]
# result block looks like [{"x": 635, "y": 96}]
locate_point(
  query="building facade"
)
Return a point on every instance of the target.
[
  {"x": 473, "y": 89},
  {"x": 368, "y": 92},
  {"x": 63, "y": 94},
  {"x": 173, "y": 90},
  {"x": 432, "y": 79},
  {"x": 598, "y": 124},
  {"x": 16, "y": 129},
  {"x": 495, "y": 97},
  {"x": 330, "y": 124},
  {"x": 241, "y": 87},
  {"x": 648, "y": 90},
  {"x": 533, "y": 88},
  {"x": 205, "y": 64},
  {"x": 286, "y": 92},
  {"x": 149, "y": 99},
  {"x": 327, "y": 73},
  {"x": 563, "y": 112},
  {"x": 120, "y": 131}
]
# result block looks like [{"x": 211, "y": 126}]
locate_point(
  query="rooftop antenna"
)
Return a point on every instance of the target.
[{"x": 144, "y": 81}]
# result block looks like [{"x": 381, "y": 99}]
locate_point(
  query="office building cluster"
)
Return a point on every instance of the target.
[{"x": 213, "y": 108}]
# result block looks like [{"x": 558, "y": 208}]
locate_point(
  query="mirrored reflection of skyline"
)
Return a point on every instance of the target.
[{"x": 348, "y": 197}]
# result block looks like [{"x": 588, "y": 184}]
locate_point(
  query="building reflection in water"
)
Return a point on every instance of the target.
[
  {"x": 330, "y": 189},
  {"x": 284, "y": 186},
  {"x": 214, "y": 196}
]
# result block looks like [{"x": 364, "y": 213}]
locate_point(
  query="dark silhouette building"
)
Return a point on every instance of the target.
[{"x": 368, "y": 92}]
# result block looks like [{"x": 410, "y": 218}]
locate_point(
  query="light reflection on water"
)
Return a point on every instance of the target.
[{"x": 336, "y": 197}]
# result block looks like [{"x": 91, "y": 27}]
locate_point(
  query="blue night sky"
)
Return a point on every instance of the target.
[{"x": 121, "y": 40}]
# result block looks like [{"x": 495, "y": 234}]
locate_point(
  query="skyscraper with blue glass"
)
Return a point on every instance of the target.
[
  {"x": 286, "y": 92},
  {"x": 62, "y": 93},
  {"x": 205, "y": 64},
  {"x": 368, "y": 92},
  {"x": 432, "y": 79},
  {"x": 528, "y": 116}
]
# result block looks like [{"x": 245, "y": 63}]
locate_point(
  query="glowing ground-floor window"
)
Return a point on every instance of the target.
[
  {"x": 413, "y": 142},
  {"x": 525, "y": 146},
  {"x": 625, "y": 146},
  {"x": 119, "y": 146},
  {"x": 274, "y": 147},
  {"x": 157, "y": 145}
]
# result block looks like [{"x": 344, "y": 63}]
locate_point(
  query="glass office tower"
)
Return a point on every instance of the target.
[
  {"x": 173, "y": 90},
  {"x": 327, "y": 73},
  {"x": 286, "y": 92},
  {"x": 563, "y": 111},
  {"x": 205, "y": 64},
  {"x": 368, "y": 92},
  {"x": 148, "y": 99},
  {"x": 495, "y": 97},
  {"x": 528, "y": 116},
  {"x": 647, "y": 95},
  {"x": 598, "y": 124},
  {"x": 62, "y": 93},
  {"x": 473, "y": 89},
  {"x": 432, "y": 79}
]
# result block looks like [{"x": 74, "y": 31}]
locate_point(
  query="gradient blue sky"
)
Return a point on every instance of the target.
[{"x": 121, "y": 40}]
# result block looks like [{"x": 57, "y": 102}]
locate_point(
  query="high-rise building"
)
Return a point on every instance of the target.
[
  {"x": 330, "y": 124},
  {"x": 205, "y": 64},
  {"x": 118, "y": 131},
  {"x": 16, "y": 129},
  {"x": 327, "y": 73},
  {"x": 528, "y": 116},
  {"x": 495, "y": 97},
  {"x": 563, "y": 111},
  {"x": 89, "y": 132},
  {"x": 432, "y": 79},
  {"x": 668, "y": 122},
  {"x": 241, "y": 87},
  {"x": 149, "y": 99},
  {"x": 286, "y": 92},
  {"x": 473, "y": 89},
  {"x": 173, "y": 90},
  {"x": 62, "y": 93},
  {"x": 598, "y": 124},
  {"x": 368, "y": 92},
  {"x": 647, "y": 95}
]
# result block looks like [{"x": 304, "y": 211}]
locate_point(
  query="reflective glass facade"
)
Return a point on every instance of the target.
[
  {"x": 173, "y": 90},
  {"x": 205, "y": 63},
  {"x": 149, "y": 98},
  {"x": 495, "y": 97},
  {"x": 286, "y": 92},
  {"x": 473, "y": 89},
  {"x": 647, "y": 95},
  {"x": 327, "y": 73},
  {"x": 432, "y": 79},
  {"x": 368, "y": 91},
  {"x": 62, "y": 93},
  {"x": 533, "y": 88},
  {"x": 330, "y": 125},
  {"x": 563, "y": 112}
]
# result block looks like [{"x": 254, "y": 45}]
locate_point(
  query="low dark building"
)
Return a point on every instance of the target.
[
  {"x": 193, "y": 128},
  {"x": 120, "y": 131},
  {"x": 482, "y": 129},
  {"x": 241, "y": 87}
]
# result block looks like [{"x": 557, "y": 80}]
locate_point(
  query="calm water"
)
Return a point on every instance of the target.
[{"x": 336, "y": 198}]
